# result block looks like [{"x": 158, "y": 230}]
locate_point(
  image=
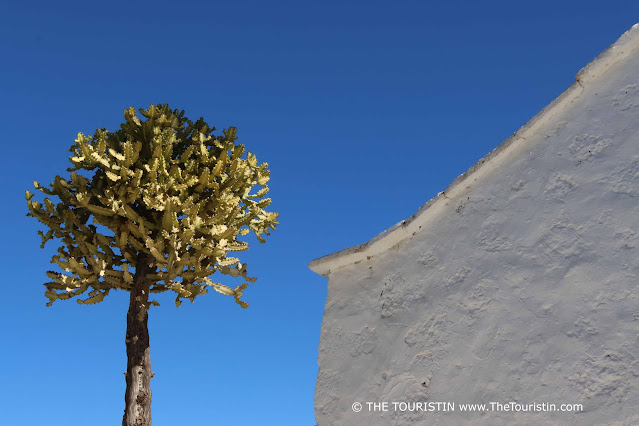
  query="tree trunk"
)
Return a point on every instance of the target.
[{"x": 138, "y": 371}]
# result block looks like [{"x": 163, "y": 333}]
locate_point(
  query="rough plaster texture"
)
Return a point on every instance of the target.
[{"x": 521, "y": 285}]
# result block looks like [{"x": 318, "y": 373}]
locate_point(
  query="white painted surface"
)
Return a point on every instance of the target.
[{"x": 520, "y": 284}]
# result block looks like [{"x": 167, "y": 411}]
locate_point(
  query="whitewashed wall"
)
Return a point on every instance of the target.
[{"x": 523, "y": 288}]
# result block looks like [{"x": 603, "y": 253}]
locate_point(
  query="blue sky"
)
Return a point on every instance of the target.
[{"x": 364, "y": 111}]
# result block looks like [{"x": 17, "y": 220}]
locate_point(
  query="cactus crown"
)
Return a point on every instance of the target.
[{"x": 164, "y": 188}]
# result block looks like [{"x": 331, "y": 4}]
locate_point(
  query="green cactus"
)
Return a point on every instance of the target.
[
  {"x": 164, "y": 186},
  {"x": 155, "y": 206}
]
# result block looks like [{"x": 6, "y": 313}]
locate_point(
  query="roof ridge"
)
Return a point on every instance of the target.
[{"x": 615, "y": 53}]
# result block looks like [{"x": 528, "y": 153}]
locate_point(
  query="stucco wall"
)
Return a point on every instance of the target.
[{"x": 525, "y": 288}]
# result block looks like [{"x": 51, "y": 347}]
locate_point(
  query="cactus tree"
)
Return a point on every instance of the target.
[{"x": 158, "y": 205}]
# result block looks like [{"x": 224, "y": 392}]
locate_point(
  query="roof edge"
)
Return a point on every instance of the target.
[{"x": 618, "y": 51}]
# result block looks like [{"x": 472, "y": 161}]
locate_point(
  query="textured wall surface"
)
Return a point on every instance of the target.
[{"x": 525, "y": 289}]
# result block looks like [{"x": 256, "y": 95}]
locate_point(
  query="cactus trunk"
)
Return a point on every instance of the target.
[{"x": 138, "y": 373}]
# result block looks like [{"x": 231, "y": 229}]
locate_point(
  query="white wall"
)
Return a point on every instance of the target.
[{"x": 525, "y": 288}]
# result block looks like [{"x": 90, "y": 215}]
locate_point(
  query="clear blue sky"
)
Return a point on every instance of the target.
[{"x": 363, "y": 109}]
